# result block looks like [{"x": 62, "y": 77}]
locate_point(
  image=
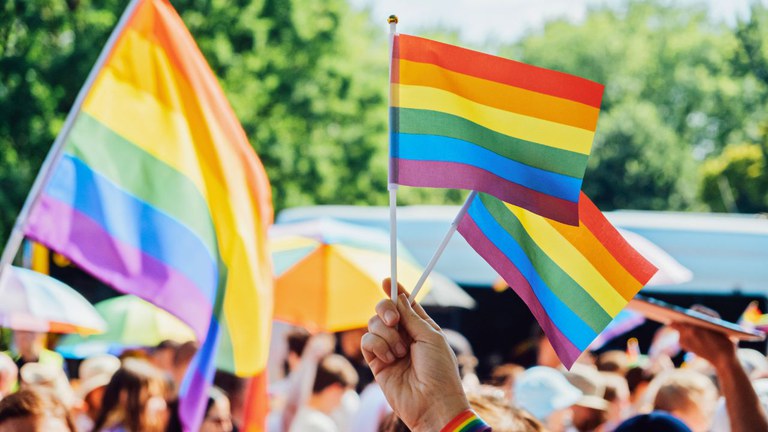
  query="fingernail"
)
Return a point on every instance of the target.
[
  {"x": 400, "y": 349},
  {"x": 390, "y": 317},
  {"x": 389, "y": 357}
]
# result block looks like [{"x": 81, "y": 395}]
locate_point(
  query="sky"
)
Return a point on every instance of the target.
[{"x": 507, "y": 20}]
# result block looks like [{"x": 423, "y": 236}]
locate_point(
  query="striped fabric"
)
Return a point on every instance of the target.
[
  {"x": 159, "y": 194},
  {"x": 574, "y": 279},
  {"x": 467, "y": 421},
  {"x": 468, "y": 120}
]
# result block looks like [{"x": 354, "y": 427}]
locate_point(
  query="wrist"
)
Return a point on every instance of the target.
[
  {"x": 725, "y": 361},
  {"x": 466, "y": 421},
  {"x": 440, "y": 413}
]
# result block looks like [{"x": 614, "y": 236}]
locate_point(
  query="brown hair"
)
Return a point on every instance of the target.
[
  {"x": 39, "y": 403},
  {"x": 334, "y": 369},
  {"x": 126, "y": 397},
  {"x": 501, "y": 416}
]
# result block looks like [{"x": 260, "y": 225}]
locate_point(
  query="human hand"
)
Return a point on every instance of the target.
[
  {"x": 715, "y": 347},
  {"x": 413, "y": 364}
]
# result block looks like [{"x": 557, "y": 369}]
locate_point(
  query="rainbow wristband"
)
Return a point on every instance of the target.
[{"x": 466, "y": 421}]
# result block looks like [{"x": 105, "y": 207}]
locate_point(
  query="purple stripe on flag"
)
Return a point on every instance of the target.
[
  {"x": 197, "y": 381},
  {"x": 121, "y": 266},
  {"x": 457, "y": 175},
  {"x": 565, "y": 349}
]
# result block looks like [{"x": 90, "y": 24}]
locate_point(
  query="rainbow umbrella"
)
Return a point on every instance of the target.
[
  {"x": 131, "y": 323},
  {"x": 36, "y": 302},
  {"x": 329, "y": 273}
]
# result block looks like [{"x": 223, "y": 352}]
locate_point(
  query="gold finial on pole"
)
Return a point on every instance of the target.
[{"x": 392, "y": 19}]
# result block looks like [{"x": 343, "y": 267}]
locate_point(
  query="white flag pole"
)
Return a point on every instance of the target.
[
  {"x": 392, "y": 187},
  {"x": 443, "y": 245},
  {"x": 57, "y": 149}
]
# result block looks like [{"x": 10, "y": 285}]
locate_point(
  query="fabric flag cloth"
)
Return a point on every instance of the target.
[
  {"x": 574, "y": 279},
  {"x": 752, "y": 318},
  {"x": 256, "y": 405},
  {"x": 468, "y": 120},
  {"x": 159, "y": 194}
]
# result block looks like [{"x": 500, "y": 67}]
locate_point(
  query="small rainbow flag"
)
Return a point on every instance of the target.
[
  {"x": 159, "y": 194},
  {"x": 574, "y": 279},
  {"x": 468, "y": 120},
  {"x": 751, "y": 316}
]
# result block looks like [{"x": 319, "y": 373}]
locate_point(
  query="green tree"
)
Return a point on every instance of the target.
[
  {"x": 46, "y": 50},
  {"x": 736, "y": 180},
  {"x": 667, "y": 74},
  {"x": 307, "y": 80}
]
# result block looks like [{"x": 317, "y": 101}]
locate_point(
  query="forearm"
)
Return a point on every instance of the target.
[{"x": 745, "y": 412}]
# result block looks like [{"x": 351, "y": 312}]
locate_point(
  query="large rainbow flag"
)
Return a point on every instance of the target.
[
  {"x": 469, "y": 120},
  {"x": 159, "y": 194},
  {"x": 574, "y": 279}
]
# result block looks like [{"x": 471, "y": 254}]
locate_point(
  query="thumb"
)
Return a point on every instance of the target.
[{"x": 417, "y": 327}]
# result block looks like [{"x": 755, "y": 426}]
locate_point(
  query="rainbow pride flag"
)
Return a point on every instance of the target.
[
  {"x": 468, "y": 120},
  {"x": 574, "y": 279},
  {"x": 159, "y": 194}
]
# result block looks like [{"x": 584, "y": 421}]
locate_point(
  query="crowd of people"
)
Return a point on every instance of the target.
[{"x": 403, "y": 372}]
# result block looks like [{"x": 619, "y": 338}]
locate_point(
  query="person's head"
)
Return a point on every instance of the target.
[
  {"x": 134, "y": 399},
  {"x": 545, "y": 393},
  {"x": 48, "y": 377},
  {"x": 501, "y": 416},
  {"x": 217, "y": 412},
  {"x": 9, "y": 374},
  {"x": 297, "y": 340},
  {"x": 688, "y": 395},
  {"x": 94, "y": 374},
  {"x": 590, "y": 411},
  {"x": 462, "y": 349},
  {"x": 34, "y": 411},
  {"x": 638, "y": 379},
  {"x": 617, "y": 395},
  {"x": 615, "y": 361},
  {"x": 335, "y": 375},
  {"x": 349, "y": 341},
  {"x": 181, "y": 360},
  {"x": 28, "y": 343},
  {"x": 504, "y": 376},
  {"x": 162, "y": 355},
  {"x": 655, "y": 421}
]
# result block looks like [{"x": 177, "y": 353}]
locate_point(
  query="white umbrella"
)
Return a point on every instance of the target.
[
  {"x": 671, "y": 272},
  {"x": 447, "y": 293},
  {"x": 35, "y": 302}
]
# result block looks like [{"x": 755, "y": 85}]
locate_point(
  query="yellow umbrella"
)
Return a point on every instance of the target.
[{"x": 329, "y": 273}]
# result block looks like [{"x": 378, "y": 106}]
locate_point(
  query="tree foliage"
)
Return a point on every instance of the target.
[
  {"x": 671, "y": 97},
  {"x": 308, "y": 82}
]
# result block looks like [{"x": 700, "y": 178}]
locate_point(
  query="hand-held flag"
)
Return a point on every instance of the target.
[
  {"x": 159, "y": 194},
  {"x": 469, "y": 120},
  {"x": 574, "y": 279}
]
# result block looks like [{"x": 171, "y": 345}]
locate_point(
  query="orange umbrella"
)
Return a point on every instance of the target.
[{"x": 329, "y": 273}]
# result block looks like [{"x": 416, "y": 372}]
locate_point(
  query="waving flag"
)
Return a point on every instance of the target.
[
  {"x": 159, "y": 194},
  {"x": 574, "y": 279},
  {"x": 469, "y": 120}
]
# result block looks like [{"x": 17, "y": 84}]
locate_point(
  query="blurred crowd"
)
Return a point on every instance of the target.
[{"x": 323, "y": 383}]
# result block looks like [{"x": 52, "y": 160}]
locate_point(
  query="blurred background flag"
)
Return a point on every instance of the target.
[
  {"x": 159, "y": 194},
  {"x": 574, "y": 279},
  {"x": 468, "y": 120}
]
